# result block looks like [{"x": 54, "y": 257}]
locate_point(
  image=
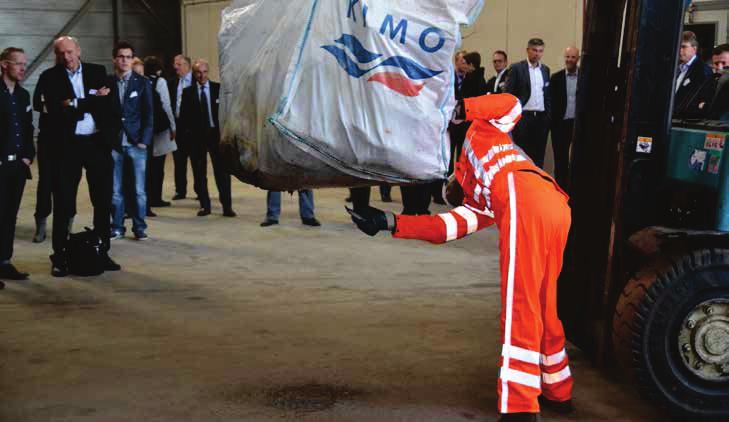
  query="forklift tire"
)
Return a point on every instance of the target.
[{"x": 671, "y": 330}]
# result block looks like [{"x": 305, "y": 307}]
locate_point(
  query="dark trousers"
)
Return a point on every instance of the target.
[
  {"x": 43, "y": 197},
  {"x": 12, "y": 183},
  {"x": 562, "y": 134},
  {"x": 416, "y": 199},
  {"x": 361, "y": 196},
  {"x": 531, "y": 135},
  {"x": 199, "y": 159},
  {"x": 89, "y": 153},
  {"x": 458, "y": 136},
  {"x": 180, "y": 157},
  {"x": 155, "y": 178}
]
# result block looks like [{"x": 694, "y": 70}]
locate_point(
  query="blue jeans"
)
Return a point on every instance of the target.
[
  {"x": 306, "y": 204},
  {"x": 138, "y": 158}
]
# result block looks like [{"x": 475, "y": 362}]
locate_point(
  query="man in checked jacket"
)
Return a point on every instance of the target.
[{"x": 496, "y": 183}]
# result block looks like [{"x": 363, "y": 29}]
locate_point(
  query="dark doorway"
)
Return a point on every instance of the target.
[{"x": 706, "y": 33}]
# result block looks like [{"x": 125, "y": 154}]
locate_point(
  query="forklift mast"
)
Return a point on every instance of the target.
[{"x": 624, "y": 107}]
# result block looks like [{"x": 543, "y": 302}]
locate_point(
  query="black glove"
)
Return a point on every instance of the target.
[{"x": 370, "y": 220}]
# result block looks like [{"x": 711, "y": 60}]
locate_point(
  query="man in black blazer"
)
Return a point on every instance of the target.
[
  {"x": 16, "y": 153},
  {"x": 76, "y": 97},
  {"x": 497, "y": 84},
  {"x": 563, "y": 87},
  {"x": 199, "y": 122},
  {"x": 183, "y": 79},
  {"x": 692, "y": 74},
  {"x": 529, "y": 81},
  {"x": 131, "y": 118}
]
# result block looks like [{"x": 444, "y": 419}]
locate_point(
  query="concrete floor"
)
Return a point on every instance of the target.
[{"x": 218, "y": 319}]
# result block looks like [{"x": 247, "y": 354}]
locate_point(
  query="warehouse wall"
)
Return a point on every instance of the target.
[
  {"x": 503, "y": 25},
  {"x": 32, "y": 24}
]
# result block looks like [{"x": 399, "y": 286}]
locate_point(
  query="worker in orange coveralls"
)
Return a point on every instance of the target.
[{"x": 496, "y": 183}]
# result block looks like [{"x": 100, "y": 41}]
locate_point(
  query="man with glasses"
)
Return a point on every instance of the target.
[
  {"x": 16, "y": 153},
  {"x": 75, "y": 95},
  {"x": 497, "y": 84},
  {"x": 131, "y": 120}
]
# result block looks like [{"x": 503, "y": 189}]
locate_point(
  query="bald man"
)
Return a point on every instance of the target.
[
  {"x": 564, "y": 100},
  {"x": 76, "y": 99},
  {"x": 199, "y": 124}
]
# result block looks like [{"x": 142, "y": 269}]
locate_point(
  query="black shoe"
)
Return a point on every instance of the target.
[
  {"x": 561, "y": 407},
  {"x": 386, "y": 198},
  {"x": 203, "y": 212},
  {"x": 40, "y": 230},
  {"x": 161, "y": 204},
  {"x": 151, "y": 213},
  {"x": 178, "y": 196},
  {"x": 267, "y": 223},
  {"x": 348, "y": 199},
  {"x": 518, "y": 417},
  {"x": 438, "y": 200},
  {"x": 2, "y": 285},
  {"x": 59, "y": 265},
  {"x": 9, "y": 272},
  {"x": 313, "y": 222},
  {"x": 229, "y": 213},
  {"x": 109, "y": 264}
]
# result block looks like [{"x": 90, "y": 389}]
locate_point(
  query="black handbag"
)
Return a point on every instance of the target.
[{"x": 84, "y": 253}]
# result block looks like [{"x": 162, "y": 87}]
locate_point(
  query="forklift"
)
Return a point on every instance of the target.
[{"x": 645, "y": 286}]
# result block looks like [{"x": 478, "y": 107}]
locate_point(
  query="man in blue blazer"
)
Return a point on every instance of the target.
[
  {"x": 529, "y": 81},
  {"x": 131, "y": 117}
]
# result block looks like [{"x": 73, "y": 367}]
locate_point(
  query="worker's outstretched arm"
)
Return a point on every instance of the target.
[
  {"x": 455, "y": 224},
  {"x": 492, "y": 107}
]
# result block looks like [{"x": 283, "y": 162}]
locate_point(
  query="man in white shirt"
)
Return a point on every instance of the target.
[
  {"x": 528, "y": 80},
  {"x": 183, "y": 69},
  {"x": 691, "y": 76}
]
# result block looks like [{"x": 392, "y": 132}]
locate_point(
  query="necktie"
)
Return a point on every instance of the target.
[{"x": 204, "y": 105}]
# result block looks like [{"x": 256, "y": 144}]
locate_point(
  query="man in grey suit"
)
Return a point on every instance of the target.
[{"x": 529, "y": 81}]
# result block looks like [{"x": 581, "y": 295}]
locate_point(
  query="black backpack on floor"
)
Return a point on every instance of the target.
[{"x": 84, "y": 253}]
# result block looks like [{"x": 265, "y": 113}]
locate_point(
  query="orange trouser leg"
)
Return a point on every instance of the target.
[
  {"x": 556, "y": 376},
  {"x": 522, "y": 272}
]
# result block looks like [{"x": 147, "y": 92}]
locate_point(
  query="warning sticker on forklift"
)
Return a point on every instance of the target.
[
  {"x": 713, "y": 166},
  {"x": 644, "y": 145},
  {"x": 697, "y": 160},
  {"x": 714, "y": 142}
]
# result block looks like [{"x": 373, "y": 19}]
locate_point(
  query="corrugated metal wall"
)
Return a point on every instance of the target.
[{"x": 32, "y": 24}]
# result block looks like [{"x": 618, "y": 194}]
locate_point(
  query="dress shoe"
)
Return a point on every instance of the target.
[
  {"x": 9, "y": 272},
  {"x": 151, "y": 213},
  {"x": 40, "y": 230},
  {"x": 203, "y": 212},
  {"x": 109, "y": 264},
  {"x": 267, "y": 223},
  {"x": 161, "y": 204},
  {"x": 518, "y": 417},
  {"x": 178, "y": 196},
  {"x": 2, "y": 285},
  {"x": 70, "y": 225},
  {"x": 229, "y": 213},
  {"x": 561, "y": 407},
  {"x": 310, "y": 222},
  {"x": 59, "y": 265}
]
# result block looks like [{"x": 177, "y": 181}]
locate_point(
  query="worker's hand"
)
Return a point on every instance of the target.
[
  {"x": 173, "y": 135},
  {"x": 453, "y": 192},
  {"x": 67, "y": 103},
  {"x": 102, "y": 92},
  {"x": 370, "y": 220},
  {"x": 26, "y": 162}
]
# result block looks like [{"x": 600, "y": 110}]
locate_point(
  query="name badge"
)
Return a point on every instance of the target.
[
  {"x": 133, "y": 94},
  {"x": 28, "y": 109},
  {"x": 686, "y": 81}
]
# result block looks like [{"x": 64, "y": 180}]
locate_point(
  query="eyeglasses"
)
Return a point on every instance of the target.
[
  {"x": 20, "y": 64},
  {"x": 123, "y": 57}
]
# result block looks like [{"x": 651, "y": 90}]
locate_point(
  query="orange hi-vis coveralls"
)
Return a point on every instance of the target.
[{"x": 501, "y": 185}]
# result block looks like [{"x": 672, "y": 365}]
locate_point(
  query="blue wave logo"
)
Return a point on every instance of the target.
[{"x": 393, "y": 80}]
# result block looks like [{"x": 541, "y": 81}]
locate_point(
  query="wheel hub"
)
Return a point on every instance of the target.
[{"x": 703, "y": 340}]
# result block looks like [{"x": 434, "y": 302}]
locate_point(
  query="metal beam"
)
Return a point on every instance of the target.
[
  {"x": 151, "y": 12},
  {"x": 64, "y": 31},
  {"x": 115, "y": 14}
]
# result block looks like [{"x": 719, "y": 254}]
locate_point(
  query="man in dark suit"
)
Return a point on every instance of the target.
[
  {"x": 529, "y": 81},
  {"x": 75, "y": 96},
  {"x": 183, "y": 66},
  {"x": 199, "y": 122},
  {"x": 131, "y": 118},
  {"x": 692, "y": 74},
  {"x": 719, "y": 107},
  {"x": 497, "y": 84},
  {"x": 563, "y": 87},
  {"x": 16, "y": 153}
]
